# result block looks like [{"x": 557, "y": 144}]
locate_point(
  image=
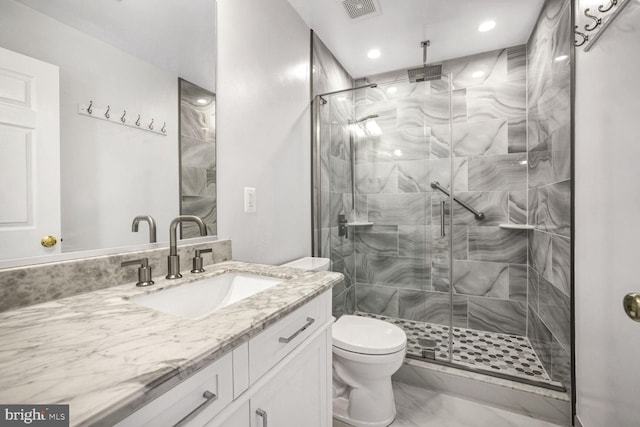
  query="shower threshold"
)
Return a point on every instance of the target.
[{"x": 502, "y": 355}]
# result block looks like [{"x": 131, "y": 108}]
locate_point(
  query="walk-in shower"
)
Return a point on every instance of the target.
[{"x": 433, "y": 237}]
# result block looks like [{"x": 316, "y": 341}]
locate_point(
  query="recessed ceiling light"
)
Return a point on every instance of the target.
[
  {"x": 487, "y": 26},
  {"x": 477, "y": 74},
  {"x": 342, "y": 98},
  {"x": 561, "y": 58},
  {"x": 397, "y": 153},
  {"x": 373, "y": 54},
  {"x": 201, "y": 101},
  {"x": 392, "y": 89}
]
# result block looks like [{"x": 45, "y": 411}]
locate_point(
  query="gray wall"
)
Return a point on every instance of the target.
[
  {"x": 263, "y": 129},
  {"x": 549, "y": 148}
]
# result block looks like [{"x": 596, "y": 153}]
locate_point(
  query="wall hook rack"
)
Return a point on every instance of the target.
[
  {"x": 585, "y": 38},
  {"x": 596, "y": 20},
  {"x": 104, "y": 113},
  {"x": 605, "y": 9},
  {"x": 611, "y": 10}
]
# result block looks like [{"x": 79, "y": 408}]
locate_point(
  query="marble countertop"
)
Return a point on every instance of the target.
[{"x": 107, "y": 357}]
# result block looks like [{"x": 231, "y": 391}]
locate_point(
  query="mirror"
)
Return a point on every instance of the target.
[{"x": 120, "y": 67}]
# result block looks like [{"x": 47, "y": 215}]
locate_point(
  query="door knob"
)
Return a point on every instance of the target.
[
  {"x": 48, "y": 241},
  {"x": 631, "y": 304}
]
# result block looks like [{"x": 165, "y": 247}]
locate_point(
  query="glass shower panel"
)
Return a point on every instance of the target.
[
  {"x": 401, "y": 133},
  {"x": 337, "y": 194},
  {"x": 410, "y": 211}
]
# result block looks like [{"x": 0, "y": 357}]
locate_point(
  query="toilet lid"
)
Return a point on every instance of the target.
[{"x": 367, "y": 336}]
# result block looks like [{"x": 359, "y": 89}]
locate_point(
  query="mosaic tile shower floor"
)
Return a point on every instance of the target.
[{"x": 489, "y": 351}]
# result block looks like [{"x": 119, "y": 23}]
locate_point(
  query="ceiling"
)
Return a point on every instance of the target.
[
  {"x": 450, "y": 25},
  {"x": 176, "y": 35}
]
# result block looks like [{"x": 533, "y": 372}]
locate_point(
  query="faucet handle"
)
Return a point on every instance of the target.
[
  {"x": 144, "y": 271},
  {"x": 197, "y": 260}
]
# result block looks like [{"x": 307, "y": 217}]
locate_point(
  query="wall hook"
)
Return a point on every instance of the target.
[
  {"x": 596, "y": 21},
  {"x": 106, "y": 114},
  {"x": 151, "y": 125},
  {"x": 123, "y": 119},
  {"x": 164, "y": 127},
  {"x": 138, "y": 121},
  {"x": 585, "y": 38},
  {"x": 603, "y": 8},
  {"x": 89, "y": 110}
]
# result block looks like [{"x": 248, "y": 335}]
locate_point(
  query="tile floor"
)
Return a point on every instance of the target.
[
  {"x": 490, "y": 351},
  {"x": 417, "y": 407}
]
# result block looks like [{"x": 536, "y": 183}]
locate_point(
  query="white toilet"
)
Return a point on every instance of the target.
[{"x": 366, "y": 352}]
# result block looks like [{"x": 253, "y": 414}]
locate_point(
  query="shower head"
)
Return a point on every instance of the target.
[
  {"x": 425, "y": 73},
  {"x": 365, "y": 118}
]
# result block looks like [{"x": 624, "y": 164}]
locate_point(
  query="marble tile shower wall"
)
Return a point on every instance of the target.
[
  {"x": 329, "y": 75},
  {"x": 197, "y": 159},
  {"x": 549, "y": 201},
  {"x": 401, "y": 262}
]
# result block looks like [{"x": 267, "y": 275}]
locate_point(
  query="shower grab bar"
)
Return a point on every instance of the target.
[{"x": 479, "y": 215}]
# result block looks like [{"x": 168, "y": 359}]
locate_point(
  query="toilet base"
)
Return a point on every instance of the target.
[{"x": 340, "y": 411}]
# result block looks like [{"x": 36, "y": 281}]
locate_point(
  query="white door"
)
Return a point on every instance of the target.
[
  {"x": 297, "y": 396},
  {"x": 29, "y": 155},
  {"x": 607, "y": 243}
]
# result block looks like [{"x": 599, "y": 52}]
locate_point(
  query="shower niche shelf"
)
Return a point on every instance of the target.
[
  {"x": 360, "y": 224},
  {"x": 516, "y": 226}
]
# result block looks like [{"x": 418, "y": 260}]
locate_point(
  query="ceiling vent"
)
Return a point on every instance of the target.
[{"x": 358, "y": 9}]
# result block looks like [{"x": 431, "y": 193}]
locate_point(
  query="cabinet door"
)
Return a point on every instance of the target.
[
  {"x": 298, "y": 394},
  {"x": 237, "y": 418}
]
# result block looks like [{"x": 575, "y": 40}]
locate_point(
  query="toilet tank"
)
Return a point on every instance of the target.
[{"x": 310, "y": 263}]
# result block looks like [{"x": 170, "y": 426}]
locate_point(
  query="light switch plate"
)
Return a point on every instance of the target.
[{"x": 249, "y": 200}]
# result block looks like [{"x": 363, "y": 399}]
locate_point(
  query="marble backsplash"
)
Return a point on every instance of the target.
[{"x": 34, "y": 284}]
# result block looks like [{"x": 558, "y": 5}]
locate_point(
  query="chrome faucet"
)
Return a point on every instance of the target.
[
  {"x": 173, "y": 260},
  {"x": 152, "y": 226}
]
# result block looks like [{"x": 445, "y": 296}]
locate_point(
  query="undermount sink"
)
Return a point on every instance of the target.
[{"x": 197, "y": 299}]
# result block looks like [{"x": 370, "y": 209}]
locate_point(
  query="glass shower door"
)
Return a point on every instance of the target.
[{"x": 381, "y": 149}]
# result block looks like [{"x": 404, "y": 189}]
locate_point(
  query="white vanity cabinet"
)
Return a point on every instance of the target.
[
  {"x": 297, "y": 392},
  {"x": 281, "y": 377}
]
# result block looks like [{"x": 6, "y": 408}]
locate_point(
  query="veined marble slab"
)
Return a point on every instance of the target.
[{"x": 106, "y": 356}]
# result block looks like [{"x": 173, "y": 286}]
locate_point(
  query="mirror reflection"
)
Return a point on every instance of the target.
[{"x": 91, "y": 112}]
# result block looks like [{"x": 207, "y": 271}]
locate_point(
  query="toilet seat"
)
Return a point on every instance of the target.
[
  {"x": 367, "y": 336},
  {"x": 370, "y": 359}
]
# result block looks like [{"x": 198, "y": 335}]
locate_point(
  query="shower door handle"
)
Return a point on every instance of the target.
[{"x": 442, "y": 233}]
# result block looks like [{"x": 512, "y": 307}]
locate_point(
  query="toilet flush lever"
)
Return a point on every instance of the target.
[{"x": 310, "y": 321}]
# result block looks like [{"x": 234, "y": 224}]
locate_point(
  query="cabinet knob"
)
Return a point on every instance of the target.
[
  {"x": 48, "y": 241},
  {"x": 631, "y": 304}
]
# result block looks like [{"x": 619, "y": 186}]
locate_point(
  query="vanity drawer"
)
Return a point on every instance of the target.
[
  {"x": 193, "y": 402},
  {"x": 270, "y": 346}
]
